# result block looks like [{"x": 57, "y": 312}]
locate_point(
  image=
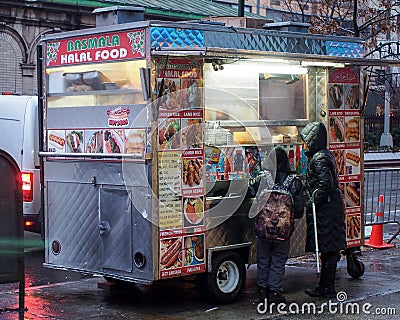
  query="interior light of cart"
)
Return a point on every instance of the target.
[
  {"x": 322, "y": 64},
  {"x": 259, "y": 66}
]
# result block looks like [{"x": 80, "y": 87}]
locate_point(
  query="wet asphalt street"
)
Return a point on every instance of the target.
[{"x": 58, "y": 294}]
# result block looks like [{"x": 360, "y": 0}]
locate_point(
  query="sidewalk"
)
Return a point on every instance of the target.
[{"x": 84, "y": 300}]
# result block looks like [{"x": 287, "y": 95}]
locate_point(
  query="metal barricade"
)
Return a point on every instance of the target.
[{"x": 386, "y": 182}]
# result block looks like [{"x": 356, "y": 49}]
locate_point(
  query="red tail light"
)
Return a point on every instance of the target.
[
  {"x": 27, "y": 186},
  {"x": 29, "y": 223}
]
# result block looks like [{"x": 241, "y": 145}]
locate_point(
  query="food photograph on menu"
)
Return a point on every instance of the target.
[
  {"x": 352, "y": 129},
  {"x": 170, "y": 94},
  {"x": 193, "y": 210},
  {"x": 353, "y": 227},
  {"x": 335, "y": 96},
  {"x": 135, "y": 142},
  {"x": 194, "y": 250},
  {"x": 352, "y": 194},
  {"x": 191, "y": 94},
  {"x": 339, "y": 158},
  {"x": 170, "y": 250},
  {"x": 336, "y": 129},
  {"x": 56, "y": 141},
  {"x": 192, "y": 133},
  {"x": 113, "y": 141},
  {"x": 169, "y": 133},
  {"x": 352, "y": 97},
  {"x": 192, "y": 172},
  {"x": 353, "y": 161},
  {"x": 94, "y": 141},
  {"x": 75, "y": 141}
]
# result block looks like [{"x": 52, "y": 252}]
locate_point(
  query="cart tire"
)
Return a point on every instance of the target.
[
  {"x": 355, "y": 268},
  {"x": 224, "y": 284}
]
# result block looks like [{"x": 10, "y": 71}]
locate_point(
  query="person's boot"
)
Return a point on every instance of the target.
[
  {"x": 321, "y": 292},
  {"x": 276, "y": 297},
  {"x": 326, "y": 286}
]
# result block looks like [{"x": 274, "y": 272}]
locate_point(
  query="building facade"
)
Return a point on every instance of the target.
[{"x": 24, "y": 22}]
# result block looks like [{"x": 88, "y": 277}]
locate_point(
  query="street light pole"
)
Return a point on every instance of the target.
[{"x": 386, "y": 137}]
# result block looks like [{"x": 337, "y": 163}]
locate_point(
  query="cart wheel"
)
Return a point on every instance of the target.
[
  {"x": 355, "y": 268},
  {"x": 225, "y": 283}
]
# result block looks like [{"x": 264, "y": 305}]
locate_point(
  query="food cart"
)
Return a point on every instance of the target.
[{"x": 152, "y": 129}]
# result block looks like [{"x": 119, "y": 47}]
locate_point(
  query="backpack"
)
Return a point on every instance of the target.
[{"x": 275, "y": 207}]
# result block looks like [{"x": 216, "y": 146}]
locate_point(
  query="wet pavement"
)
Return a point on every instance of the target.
[{"x": 57, "y": 294}]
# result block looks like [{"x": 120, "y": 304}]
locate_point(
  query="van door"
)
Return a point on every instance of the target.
[
  {"x": 11, "y": 234},
  {"x": 115, "y": 229}
]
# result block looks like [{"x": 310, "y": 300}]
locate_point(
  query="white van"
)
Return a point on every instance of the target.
[{"x": 19, "y": 129}]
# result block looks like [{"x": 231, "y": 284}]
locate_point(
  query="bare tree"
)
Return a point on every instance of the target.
[
  {"x": 371, "y": 20},
  {"x": 297, "y": 9},
  {"x": 377, "y": 22},
  {"x": 333, "y": 17}
]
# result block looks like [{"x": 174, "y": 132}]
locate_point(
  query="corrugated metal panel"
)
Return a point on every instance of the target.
[{"x": 199, "y": 8}]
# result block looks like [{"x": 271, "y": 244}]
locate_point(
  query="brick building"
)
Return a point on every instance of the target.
[{"x": 23, "y": 22}]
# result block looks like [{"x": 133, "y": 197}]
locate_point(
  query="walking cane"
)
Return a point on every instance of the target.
[{"x": 315, "y": 229}]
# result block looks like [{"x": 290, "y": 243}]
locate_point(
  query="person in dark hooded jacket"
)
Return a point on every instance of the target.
[
  {"x": 322, "y": 177},
  {"x": 273, "y": 254}
]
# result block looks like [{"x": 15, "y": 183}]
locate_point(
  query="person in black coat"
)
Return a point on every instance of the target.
[{"x": 322, "y": 175}]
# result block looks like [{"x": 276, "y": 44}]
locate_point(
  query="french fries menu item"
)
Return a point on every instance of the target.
[
  {"x": 339, "y": 158},
  {"x": 353, "y": 227}
]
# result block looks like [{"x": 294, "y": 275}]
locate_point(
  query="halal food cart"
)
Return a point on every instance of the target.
[{"x": 152, "y": 129}]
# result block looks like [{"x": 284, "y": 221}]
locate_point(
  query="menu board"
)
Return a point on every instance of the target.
[
  {"x": 99, "y": 141},
  {"x": 345, "y": 143},
  {"x": 180, "y": 167}
]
